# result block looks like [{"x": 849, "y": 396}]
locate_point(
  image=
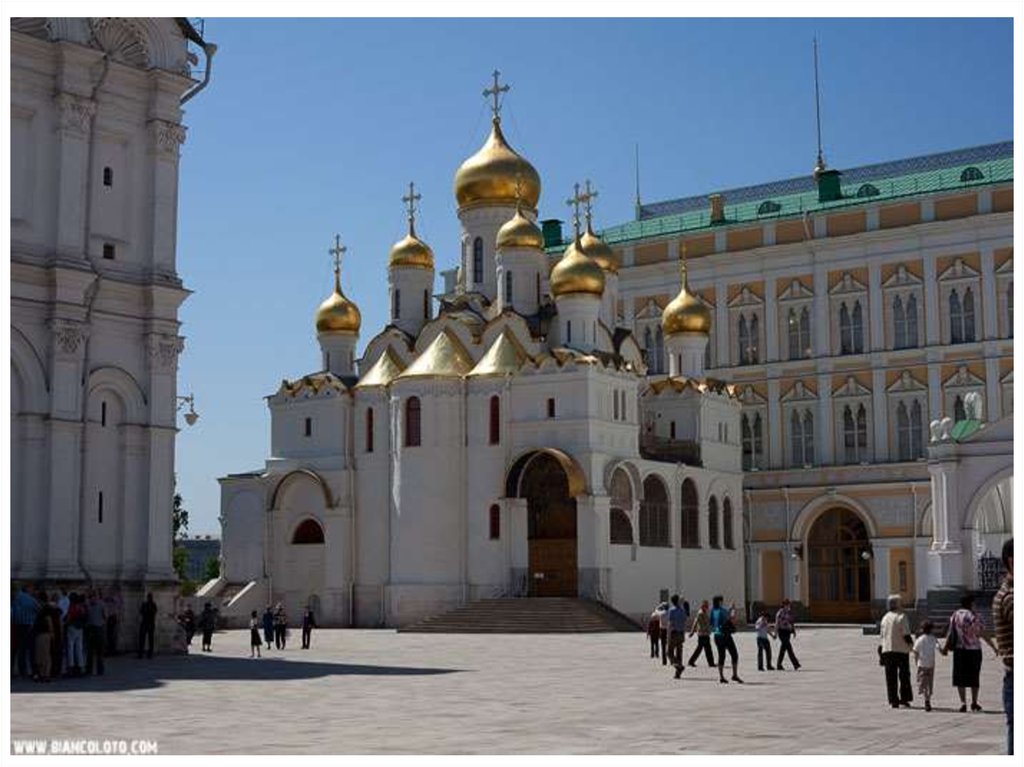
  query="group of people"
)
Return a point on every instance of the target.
[
  {"x": 68, "y": 633},
  {"x": 206, "y": 622},
  {"x": 274, "y": 623},
  {"x": 667, "y": 630},
  {"x": 963, "y": 638}
]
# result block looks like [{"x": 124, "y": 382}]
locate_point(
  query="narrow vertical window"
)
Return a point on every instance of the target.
[
  {"x": 713, "y": 523},
  {"x": 396, "y": 304},
  {"x": 369, "y": 430},
  {"x": 754, "y": 340},
  {"x": 902, "y": 432},
  {"x": 494, "y": 436},
  {"x": 478, "y": 260},
  {"x": 959, "y": 414},
  {"x": 744, "y": 341},
  {"x": 969, "y": 316},
  {"x": 808, "y": 437},
  {"x": 858, "y": 328},
  {"x": 845, "y": 330},
  {"x": 659, "y": 342},
  {"x": 758, "y": 457},
  {"x": 103, "y": 414},
  {"x": 551, "y": 407},
  {"x": 956, "y": 319},
  {"x": 309, "y": 427},
  {"x": 796, "y": 439},
  {"x": 108, "y": 176},
  {"x": 862, "y": 433},
  {"x": 849, "y": 436},
  {"x": 568, "y": 331},
  {"x": 412, "y": 422},
  {"x": 672, "y": 430},
  {"x": 508, "y": 288},
  {"x": 494, "y": 523},
  {"x": 109, "y": 251},
  {"x": 99, "y": 508},
  {"x": 912, "y": 322},
  {"x": 794, "y": 335},
  {"x": 426, "y": 304},
  {"x": 747, "y": 440},
  {"x": 916, "y": 430},
  {"x": 805, "y": 332},
  {"x": 727, "y": 524},
  {"x": 899, "y": 321},
  {"x": 615, "y": 405}
]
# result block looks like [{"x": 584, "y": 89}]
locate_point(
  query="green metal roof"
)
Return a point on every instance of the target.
[{"x": 947, "y": 179}]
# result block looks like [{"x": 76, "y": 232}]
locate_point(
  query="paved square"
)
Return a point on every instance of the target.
[{"x": 363, "y": 691}]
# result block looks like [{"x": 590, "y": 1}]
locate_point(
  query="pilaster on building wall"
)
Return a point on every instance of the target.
[{"x": 96, "y": 107}]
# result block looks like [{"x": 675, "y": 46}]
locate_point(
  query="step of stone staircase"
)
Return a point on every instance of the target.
[{"x": 539, "y": 615}]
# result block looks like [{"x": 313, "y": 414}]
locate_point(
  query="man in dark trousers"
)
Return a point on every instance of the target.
[
  {"x": 147, "y": 626},
  {"x": 207, "y": 623},
  {"x": 95, "y": 629},
  {"x": 676, "y": 634},
  {"x": 308, "y": 624}
]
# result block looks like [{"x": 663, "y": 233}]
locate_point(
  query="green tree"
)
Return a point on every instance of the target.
[
  {"x": 181, "y": 562},
  {"x": 179, "y": 518},
  {"x": 212, "y": 568}
]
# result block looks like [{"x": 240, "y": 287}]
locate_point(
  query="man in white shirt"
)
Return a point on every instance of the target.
[
  {"x": 895, "y": 653},
  {"x": 663, "y": 629}
]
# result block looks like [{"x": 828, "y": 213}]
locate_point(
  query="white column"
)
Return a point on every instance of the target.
[
  {"x": 825, "y": 447},
  {"x": 822, "y": 342},
  {"x": 879, "y": 416},
  {"x": 133, "y": 549},
  {"x": 74, "y": 115},
  {"x": 989, "y": 302},
  {"x": 34, "y": 526},
  {"x": 875, "y": 306},
  {"x": 771, "y": 321},
  {"x": 768, "y": 234},
  {"x": 931, "y": 302},
  {"x": 166, "y": 138},
  {"x": 934, "y": 392},
  {"x": 774, "y": 425}
]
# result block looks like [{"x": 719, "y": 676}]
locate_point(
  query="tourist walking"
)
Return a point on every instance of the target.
[
  {"x": 964, "y": 636},
  {"x": 268, "y": 626},
  {"x": 42, "y": 639},
  {"x": 701, "y": 626},
  {"x": 24, "y": 611},
  {"x": 188, "y": 623},
  {"x": 147, "y": 626},
  {"x": 95, "y": 627},
  {"x": 676, "y": 634},
  {"x": 663, "y": 631},
  {"x": 723, "y": 626},
  {"x": 207, "y": 623},
  {"x": 280, "y": 627},
  {"x": 75, "y": 623},
  {"x": 653, "y": 632},
  {"x": 896, "y": 643},
  {"x": 763, "y": 630},
  {"x": 1002, "y": 616},
  {"x": 56, "y": 648},
  {"x": 255, "y": 640},
  {"x": 785, "y": 628},
  {"x": 308, "y": 624},
  {"x": 924, "y": 655}
]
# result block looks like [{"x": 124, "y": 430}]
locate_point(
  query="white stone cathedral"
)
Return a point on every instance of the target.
[{"x": 506, "y": 444}]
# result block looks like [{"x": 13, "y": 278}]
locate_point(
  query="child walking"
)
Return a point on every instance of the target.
[
  {"x": 924, "y": 653},
  {"x": 255, "y": 640},
  {"x": 763, "y": 629}
]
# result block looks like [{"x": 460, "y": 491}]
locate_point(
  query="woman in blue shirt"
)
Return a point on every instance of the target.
[{"x": 723, "y": 626}]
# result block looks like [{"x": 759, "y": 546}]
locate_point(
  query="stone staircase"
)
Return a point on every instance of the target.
[
  {"x": 943, "y": 602},
  {"x": 534, "y": 615}
]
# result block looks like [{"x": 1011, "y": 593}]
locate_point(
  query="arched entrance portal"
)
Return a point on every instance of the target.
[
  {"x": 839, "y": 567},
  {"x": 551, "y": 535},
  {"x": 992, "y": 524}
]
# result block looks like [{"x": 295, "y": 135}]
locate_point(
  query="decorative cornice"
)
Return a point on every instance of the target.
[
  {"x": 163, "y": 351},
  {"x": 167, "y": 138},
  {"x": 68, "y": 335},
  {"x": 75, "y": 113}
]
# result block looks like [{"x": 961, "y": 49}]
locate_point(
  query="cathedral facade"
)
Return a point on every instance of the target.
[{"x": 505, "y": 442}]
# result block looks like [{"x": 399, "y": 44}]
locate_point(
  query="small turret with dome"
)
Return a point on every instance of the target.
[
  {"x": 577, "y": 285},
  {"x": 488, "y": 187},
  {"x": 521, "y": 262},
  {"x": 338, "y": 320},
  {"x": 602, "y": 254},
  {"x": 411, "y": 274},
  {"x": 686, "y": 322}
]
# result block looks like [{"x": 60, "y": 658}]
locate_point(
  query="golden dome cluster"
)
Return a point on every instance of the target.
[
  {"x": 492, "y": 175},
  {"x": 520, "y": 232},
  {"x": 338, "y": 314},
  {"x": 686, "y": 313},
  {"x": 576, "y": 272}
]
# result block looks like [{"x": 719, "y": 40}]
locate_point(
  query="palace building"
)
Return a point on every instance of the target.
[
  {"x": 500, "y": 440},
  {"x": 851, "y": 310}
]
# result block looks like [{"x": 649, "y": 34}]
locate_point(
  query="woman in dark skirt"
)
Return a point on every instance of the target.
[{"x": 964, "y": 637}]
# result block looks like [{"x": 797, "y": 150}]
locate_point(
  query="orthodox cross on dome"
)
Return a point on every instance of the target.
[
  {"x": 574, "y": 202},
  {"x": 588, "y": 200},
  {"x": 337, "y": 251},
  {"x": 410, "y": 201},
  {"x": 682, "y": 263},
  {"x": 495, "y": 93}
]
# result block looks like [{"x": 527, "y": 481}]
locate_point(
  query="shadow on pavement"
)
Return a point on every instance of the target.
[{"x": 132, "y": 674}]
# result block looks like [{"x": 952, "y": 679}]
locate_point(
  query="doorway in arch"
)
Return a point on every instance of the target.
[
  {"x": 551, "y": 533},
  {"x": 839, "y": 568}
]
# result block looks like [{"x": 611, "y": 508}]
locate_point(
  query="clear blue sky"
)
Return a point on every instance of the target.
[{"x": 314, "y": 127}]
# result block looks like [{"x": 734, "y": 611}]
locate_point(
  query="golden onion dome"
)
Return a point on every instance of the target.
[
  {"x": 490, "y": 176},
  {"x": 686, "y": 313},
  {"x": 411, "y": 251},
  {"x": 576, "y": 272},
  {"x": 520, "y": 232},
  {"x": 338, "y": 314},
  {"x": 599, "y": 251}
]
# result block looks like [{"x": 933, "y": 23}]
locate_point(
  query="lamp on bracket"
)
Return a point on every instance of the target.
[{"x": 191, "y": 416}]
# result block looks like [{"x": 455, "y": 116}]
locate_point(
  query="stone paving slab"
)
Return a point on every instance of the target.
[{"x": 364, "y": 691}]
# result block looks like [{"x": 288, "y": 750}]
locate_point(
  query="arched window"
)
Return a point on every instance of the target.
[
  {"x": 108, "y": 176},
  {"x": 968, "y": 315},
  {"x": 959, "y": 414},
  {"x": 801, "y": 438},
  {"x": 654, "y": 514},
  {"x": 747, "y": 440},
  {"x": 426, "y": 304},
  {"x": 308, "y": 532},
  {"x": 494, "y": 432},
  {"x": 707, "y": 353},
  {"x": 808, "y": 437},
  {"x": 754, "y": 340},
  {"x": 412, "y": 422},
  {"x": 903, "y": 433},
  {"x": 862, "y": 433},
  {"x": 858, "y": 328},
  {"x": 744, "y": 339},
  {"x": 849, "y": 435},
  {"x": 867, "y": 190},
  {"x": 758, "y": 458},
  {"x": 568, "y": 331},
  {"x": 912, "y": 322},
  {"x": 659, "y": 342},
  {"x": 494, "y": 522},
  {"x": 845, "y": 330},
  {"x": 621, "y": 529},
  {"x": 768, "y": 206},
  {"x": 615, "y": 405},
  {"x": 971, "y": 174},
  {"x": 369, "y": 430},
  {"x": 794, "y": 335},
  {"x": 805, "y": 332},
  {"x": 508, "y": 287},
  {"x": 396, "y": 304},
  {"x": 899, "y": 322},
  {"x": 690, "y": 516},
  {"x": 713, "y": 523},
  {"x": 916, "y": 430},
  {"x": 727, "y": 524},
  {"x": 478, "y": 260},
  {"x": 956, "y": 318}
]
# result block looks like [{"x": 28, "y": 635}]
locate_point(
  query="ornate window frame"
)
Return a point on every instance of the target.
[
  {"x": 798, "y": 299},
  {"x": 854, "y": 395}
]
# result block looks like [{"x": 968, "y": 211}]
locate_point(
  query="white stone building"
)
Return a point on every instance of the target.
[
  {"x": 96, "y": 126},
  {"x": 505, "y": 444}
]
